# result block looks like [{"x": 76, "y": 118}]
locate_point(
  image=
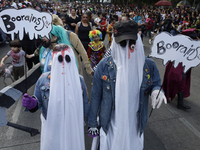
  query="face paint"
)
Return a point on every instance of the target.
[
  {"x": 131, "y": 47},
  {"x": 96, "y": 38}
]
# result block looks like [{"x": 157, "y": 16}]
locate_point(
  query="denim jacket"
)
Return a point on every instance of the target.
[
  {"x": 41, "y": 93},
  {"x": 103, "y": 93}
]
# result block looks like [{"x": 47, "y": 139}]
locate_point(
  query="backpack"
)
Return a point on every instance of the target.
[{"x": 150, "y": 24}]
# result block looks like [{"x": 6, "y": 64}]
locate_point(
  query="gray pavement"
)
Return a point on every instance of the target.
[{"x": 168, "y": 128}]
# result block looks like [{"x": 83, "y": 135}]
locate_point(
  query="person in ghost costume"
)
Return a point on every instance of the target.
[
  {"x": 60, "y": 35},
  {"x": 122, "y": 84},
  {"x": 62, "y": 108}
]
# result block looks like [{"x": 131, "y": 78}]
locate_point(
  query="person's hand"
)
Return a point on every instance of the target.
[
  {"x": 93, "y": 132},
  {"x": 36, "y": 52},
  {"x": 92, "y": 73},
  {"x": 156, "y": 103},
  {"x": 28, "y": 101}
]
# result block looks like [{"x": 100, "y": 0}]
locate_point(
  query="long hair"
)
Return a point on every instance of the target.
[
  {"x": 88, "y": 18},
  {"x": 61, "y": 34}
]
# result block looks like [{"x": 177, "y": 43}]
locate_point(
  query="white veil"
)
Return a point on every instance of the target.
[
  {"x": 123, "y": 132},
  {"x": 64, "y": 127}
]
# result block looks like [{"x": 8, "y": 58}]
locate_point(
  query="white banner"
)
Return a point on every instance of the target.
[
  {"x": 27, "y": 20},
  {"x": 177, "y": 49}
]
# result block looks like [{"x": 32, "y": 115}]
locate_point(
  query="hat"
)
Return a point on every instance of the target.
[{"x": 125, "y": 30}]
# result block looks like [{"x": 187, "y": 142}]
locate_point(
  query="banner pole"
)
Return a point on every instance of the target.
[
  {"x": 161, "y": 88},
  {"x": 25, "y": 65}
]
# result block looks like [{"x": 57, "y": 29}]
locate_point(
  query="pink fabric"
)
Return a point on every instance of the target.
[
  {"x": 148, "y": 20},
  {"x": 185, "y": 32}
]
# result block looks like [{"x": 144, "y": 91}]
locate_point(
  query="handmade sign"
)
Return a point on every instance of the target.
[
  {"x": 27, "y": 20},
  {"x": 177, "y": 49}
]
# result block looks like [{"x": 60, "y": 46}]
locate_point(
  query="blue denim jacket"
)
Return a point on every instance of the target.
[
  {"x": 103, "y": 93},
  {"x": 41, "y": 93}
]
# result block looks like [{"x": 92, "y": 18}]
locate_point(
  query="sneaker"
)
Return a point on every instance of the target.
[
  {"x": 7, "y": 42},
  {"x": 149, "y": 41}
]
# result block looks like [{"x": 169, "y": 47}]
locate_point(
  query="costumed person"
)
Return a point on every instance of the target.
[
  {"x": 56, "y": 20},
  {"x": 110, "y": 30},
  {"x": 121, "y": 87},
  {"x": 66, "y": 37},
  {"x": 176, "y": 81},
  {"x": 103, "y": 25},
  {"x": 96, "y": 48},
  {"x": 45, "y": 53},
  {"x": 62, "y": 108}
]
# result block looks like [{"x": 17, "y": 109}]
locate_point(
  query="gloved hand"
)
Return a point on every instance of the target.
[
  {"x": 157, "y": 102},
  {"x": 93, "y": 131},
  {"x": 29, "y": 102}
]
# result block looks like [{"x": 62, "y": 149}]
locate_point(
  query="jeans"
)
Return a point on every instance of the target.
[
  {"x": 173, "y": 32},
  {"x": 149, "y": 31},
  {"x": 3, "y": 35},
  {"x": 18, "y": 72}
]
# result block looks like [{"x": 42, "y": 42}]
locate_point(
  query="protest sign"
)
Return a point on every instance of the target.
[
  {"x": 25, "y": 21},
  {"x": 177, "y": 49}
]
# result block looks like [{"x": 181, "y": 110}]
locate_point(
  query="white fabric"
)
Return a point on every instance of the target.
[
  {"x": 43, "y": 122},
  {"x": 64, "y": 126},
  {"x": 156, "y": 103},
  {"x": 95, "y": 143},
  {"x": 123, "y": 132},
  {"x": 97, "y": 20}
]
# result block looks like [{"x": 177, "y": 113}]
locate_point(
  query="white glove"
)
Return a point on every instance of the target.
[
  {"x": 93, "y": 131},
  {"x": 157, "y": 102}
]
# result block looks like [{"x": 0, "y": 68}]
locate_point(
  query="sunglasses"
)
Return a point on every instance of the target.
[{"x": 85, "y": 17}]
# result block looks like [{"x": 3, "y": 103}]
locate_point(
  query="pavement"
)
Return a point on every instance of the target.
[{"x": 168, "y": 128}]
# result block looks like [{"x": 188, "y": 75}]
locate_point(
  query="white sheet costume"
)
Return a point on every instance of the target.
[
  {"x": 123, "y": 131},
  {"x": 64, "y": 126}
]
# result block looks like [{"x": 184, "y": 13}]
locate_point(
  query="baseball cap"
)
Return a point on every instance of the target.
[{"x": 125, "y": 30}]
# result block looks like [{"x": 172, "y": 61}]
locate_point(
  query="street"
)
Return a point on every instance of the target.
[{"x": 168, "y": 128}]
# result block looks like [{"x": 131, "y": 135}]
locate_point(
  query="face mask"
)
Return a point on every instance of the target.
[{"x": 46, "y": 44}]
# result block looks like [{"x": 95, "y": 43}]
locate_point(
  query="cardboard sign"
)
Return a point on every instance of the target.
[
  {"x": 177, "y": 49},
  {"x": 27, "y": 20}
]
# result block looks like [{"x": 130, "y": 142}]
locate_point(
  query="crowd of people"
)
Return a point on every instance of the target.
[
  {"x": 77, "y": 37},
  {"x": 151, "y": 20}
]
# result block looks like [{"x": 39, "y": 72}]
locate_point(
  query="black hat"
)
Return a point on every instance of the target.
[{"x": 125, "y": 30}]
